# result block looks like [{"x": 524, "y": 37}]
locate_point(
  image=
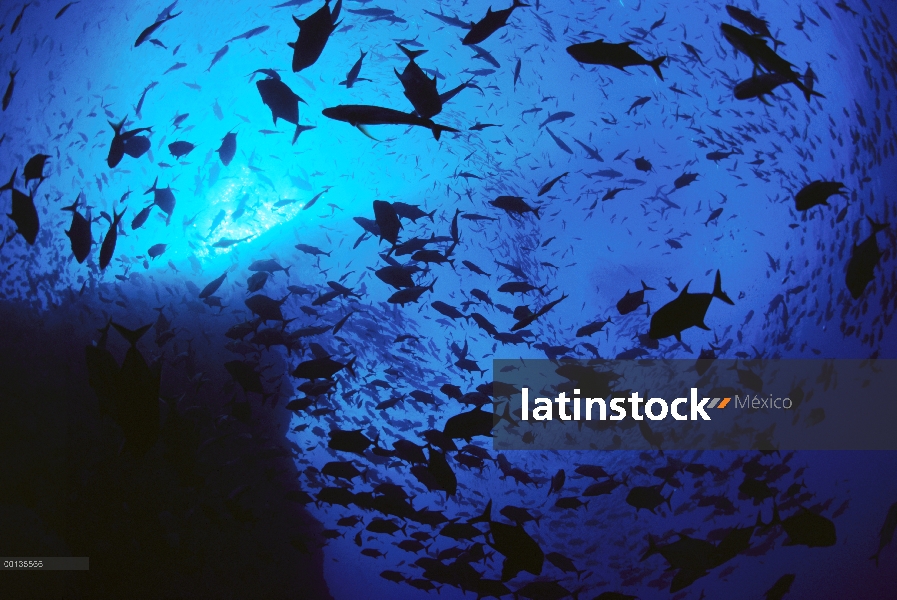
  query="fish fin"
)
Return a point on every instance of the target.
[
  {"x": 363, "y": 129},
  {"x": 655, "y": 64},
  {"x": 646, "y": 287},
  {"x": 132, "y": 336},
  {"x": 438, "y": 129},
  {"x": 411, "y": 54},
  {"x": 718, "y": 290},
  {"x": 12, "y": 181}
]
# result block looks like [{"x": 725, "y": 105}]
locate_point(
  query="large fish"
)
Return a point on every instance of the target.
[
  {"x": 620, "y": 56},
  {"x": 79, "y": 233},
  {"x": 492, "y": 22},
  {"x": 362, "y": 115},
  {"x": 283, "y": 102},
  {"x": 687, "y": 310},
  {"x": 863, "y": 260},
  {"x": 108, "y": 246},
  {"x": 314, "y": 31},
  {"x": 24, "y": 214},
  {"x": 419, "y": 88}
]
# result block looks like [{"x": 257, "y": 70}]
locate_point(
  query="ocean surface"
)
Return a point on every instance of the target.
[{"x": 306, "y": 269}]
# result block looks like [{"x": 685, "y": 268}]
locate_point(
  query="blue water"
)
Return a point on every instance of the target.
[{"x": 81, "y": 71}]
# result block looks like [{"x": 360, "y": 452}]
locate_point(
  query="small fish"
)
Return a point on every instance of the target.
[
  {"x": 218, "y": 56},
  {"x": 249, "y": 34}
]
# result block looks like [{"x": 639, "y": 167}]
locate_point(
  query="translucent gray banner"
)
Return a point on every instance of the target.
[{"x": 704, "y": 404}]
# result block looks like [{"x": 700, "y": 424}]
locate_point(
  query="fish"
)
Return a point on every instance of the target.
[
  {"x": 352, "y": 76},
  {"x": 107, "y": 249},
  {"x": 268, "y": 266},
  {"x": 863, "y": 260},
  {"x": 156, "y": 250},
  {"x": 18, "y": 19},
  {"x": 550, "y": 184},
  {"x": 619, "y": 56},
  {"x": 218, "y": 56},
  {"x": 141, "y": 217},
  {"x": 146, "y": 33},
  {"x": 79, "y": 233},
  {"x": 804, "y": 528},
  {"x": 34, "y": 168},
  {"x": 180, "y": 148},
  {"x": 685, "y": 311},
  {"x": 311, "y": 250},
  {"x": 163, "y": 198},
  {"x": 212, "y": 287},
  {"x": 65, "y": 8},
  {"x": 7, "y": 95},
  {"x": 143, "y": 97},
  {"x": 632, "y": 300},
  {"x": 24, "y": 213},
  {"x": 760, "y": 86},
  {"x": 684, "y": 180},
  {"x": 886, "y": 534},
  {"x": 120, "y": 140},
  {"x": 228, "y": 148},
  {"x": 314, "y": 32},
  {"x": 387, "y": 221},
  {"x": 757, "y": 25},
  {"x": 250, "y": 34},
  {"x": 817, "y": 193},
  {"x": 489, "y": 24},
  {"x": 713, "y": 216},
  {"x": 283, "y": 102},
  {"x": 560, "y": 116},
  {"x": 642, "y": 164},
  {"x": 762, "y": 55},
  {"x": 514, "y": 205},
  {"x": 228, "y": 242},
  {"x": 560, "y": 143},
  {"x": 420, "y": 90},
  {"x": 362, "y": 115}
]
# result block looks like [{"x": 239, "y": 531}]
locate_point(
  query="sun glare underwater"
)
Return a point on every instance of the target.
[{"x": 256, "y": 257}]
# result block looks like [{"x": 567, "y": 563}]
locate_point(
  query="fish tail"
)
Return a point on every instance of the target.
[
  {"x": 411, "y": 54},
  {"x": 875, "y": 557},
  {"x": 152, "y": 189},
  {"x": 12, "y": 181},
  {"x": 486, "y": 516},
  {"x": 519, "y": 4},
  {"x": 116, "y": 127},
  {"x": 655, "y": 64},
  {"x": 876, "y": 226},
  {"x": 73, "y": 207},
  {"x": 652, "y": 548},
  {"x": 718, "y": 290},
  {"x": 287, "y": 271},
  {"x": 536, "y": 212},
  {"x": 116, "y": 217},
  {"x": 646, "y": 287},
  {"x": 132, "y": 336},
  {"x": 438, "y": 129},
  {"x": 430, "y": 214}
]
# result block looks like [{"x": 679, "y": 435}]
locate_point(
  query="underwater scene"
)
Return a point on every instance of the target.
[{"x": 258, "y": 260}]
